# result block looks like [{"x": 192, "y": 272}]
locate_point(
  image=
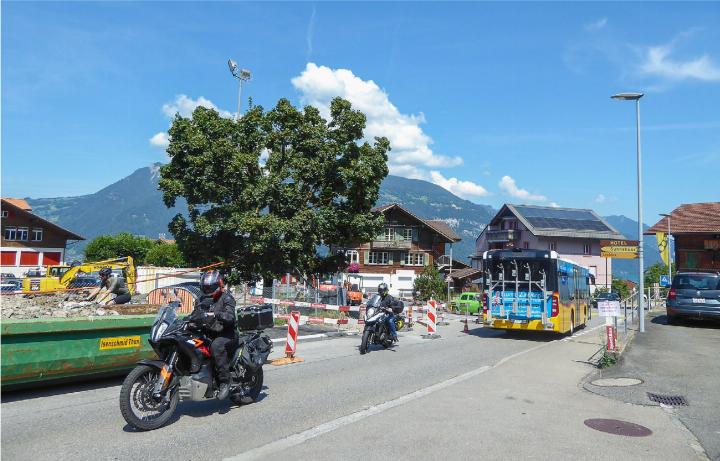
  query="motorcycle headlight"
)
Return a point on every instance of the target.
[
  {"x": 159, "y": 331},
  {"x": 370, "y": 312}
]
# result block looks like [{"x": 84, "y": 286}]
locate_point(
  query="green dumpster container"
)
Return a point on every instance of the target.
[{"x": 47, "y": 349}]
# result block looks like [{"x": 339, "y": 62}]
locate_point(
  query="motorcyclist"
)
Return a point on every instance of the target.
[
  {"x": 388, "y": 302},
  {"x": 115, "y": 284},
  {"x": 214, "y": 312}
]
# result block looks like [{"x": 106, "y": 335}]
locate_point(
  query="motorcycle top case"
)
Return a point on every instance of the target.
[
  {"x": 398, "y": 309},
  {"x": 255, "y": 317}
]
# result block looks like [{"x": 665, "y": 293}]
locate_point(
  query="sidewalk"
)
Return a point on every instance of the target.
[
  {"x": 676, "y": 361},
  {"x": 526, "y": 406}
]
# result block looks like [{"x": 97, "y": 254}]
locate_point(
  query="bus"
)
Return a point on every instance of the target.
[{"x": 535, "y": 290}]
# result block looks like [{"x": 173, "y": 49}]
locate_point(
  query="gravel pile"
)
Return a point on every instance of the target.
[{"x": 55, "y": 305}]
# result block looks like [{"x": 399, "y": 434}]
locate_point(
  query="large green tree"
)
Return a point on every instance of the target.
[
  {"x": 165, "y": 255},
  {"x": 119, "y": 246},
  {"x": 266, "y": 191},
  {"x": 429, "y": 284}
]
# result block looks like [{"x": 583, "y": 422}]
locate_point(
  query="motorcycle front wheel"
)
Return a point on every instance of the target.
[
  {"x": 250, "y": 385},
  {"x": 137, "y": 404},
  {"x": 364, "y": 342}
]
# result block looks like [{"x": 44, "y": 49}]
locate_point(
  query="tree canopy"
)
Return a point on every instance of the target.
[
  {"x": 165, "y": 255},
  {"x": 118, "y": 246},
  {"x": 429, "y": 284},
  {"x": 266, "y": 191}
]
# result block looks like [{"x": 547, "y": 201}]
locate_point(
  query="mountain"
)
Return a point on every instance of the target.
[
  {"x": 134, "y": 204},
  {"x": 628, "y": 268}
]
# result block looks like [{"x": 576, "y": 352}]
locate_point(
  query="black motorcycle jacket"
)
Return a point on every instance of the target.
[
  {"x": 222, "y": 321},
  {"x": 388, "y": 302}
]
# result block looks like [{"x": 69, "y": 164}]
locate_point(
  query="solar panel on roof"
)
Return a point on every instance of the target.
[
  {"x": 572, "y": 224},
  {"x": 531, "y": 212}
]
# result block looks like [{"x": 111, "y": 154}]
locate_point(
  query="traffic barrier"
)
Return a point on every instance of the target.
[
  {"x": 291, "y": 342},
  {"x": 431, "y": 320},
  {"x": 290, "y": 303},
  {"x": 410, "y": 318}
]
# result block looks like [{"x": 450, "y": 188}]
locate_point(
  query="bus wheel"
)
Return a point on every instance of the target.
[{"x": 572, "y": 323}]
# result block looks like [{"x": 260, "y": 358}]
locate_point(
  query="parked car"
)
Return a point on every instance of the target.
[
  {"x": 605, "y": 296},
  {"x": 470, "y": 302},
  {"x": 694, "y": 295}
]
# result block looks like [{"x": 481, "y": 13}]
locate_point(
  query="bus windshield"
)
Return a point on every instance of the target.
[{"x": 528, "y": 272}]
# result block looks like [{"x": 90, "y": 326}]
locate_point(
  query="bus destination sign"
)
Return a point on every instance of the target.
[{"x": 623, "y": 249}]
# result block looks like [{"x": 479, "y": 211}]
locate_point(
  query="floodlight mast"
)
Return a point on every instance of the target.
[{"x": 243, "y": 75}]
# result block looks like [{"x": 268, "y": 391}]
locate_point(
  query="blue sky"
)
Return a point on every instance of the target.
[{"x": 497, "y": 102}]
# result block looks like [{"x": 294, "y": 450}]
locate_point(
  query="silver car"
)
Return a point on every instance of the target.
[{"x": 694, "y": 295}]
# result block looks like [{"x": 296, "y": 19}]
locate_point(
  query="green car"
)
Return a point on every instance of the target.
[{"x": 470, "y": 302}]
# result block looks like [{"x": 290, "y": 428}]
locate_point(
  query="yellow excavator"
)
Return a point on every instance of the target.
[{"x": 62, "y": 277}]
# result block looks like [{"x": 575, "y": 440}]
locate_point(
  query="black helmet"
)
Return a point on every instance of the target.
[
  {"x": 211, "y": 282},
  {"x": 105, "y": 272},
  {"x": 383, "y": 289}
]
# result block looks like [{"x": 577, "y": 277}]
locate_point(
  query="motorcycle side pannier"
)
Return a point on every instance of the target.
[
  {"x": 398, "y": 308},
  {"x": 255, "y": 317}
]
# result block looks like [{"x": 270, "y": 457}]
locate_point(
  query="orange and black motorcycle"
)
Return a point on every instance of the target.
[{"x": 150, "y": 393}]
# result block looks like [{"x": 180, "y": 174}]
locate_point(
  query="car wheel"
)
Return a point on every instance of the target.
[{"x": 672, "y": 320}]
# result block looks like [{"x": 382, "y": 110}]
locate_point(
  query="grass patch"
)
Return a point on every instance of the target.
[{"x": 607, "y": 360}]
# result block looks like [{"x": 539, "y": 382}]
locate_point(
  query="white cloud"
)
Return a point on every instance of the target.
[
  {"x": 411, "y": 150},
  {"x": 160, "y": 139},
  {"x": 597, "y": 25},
  {"x": 554, "y": 205},
  {"x": 185, "y": 105},
  {"x": 464, "y": 189},
  {"x": 658, "y": 63},
  {"x": 508, "y": 185},
  {"x": 600, "y": 198}
]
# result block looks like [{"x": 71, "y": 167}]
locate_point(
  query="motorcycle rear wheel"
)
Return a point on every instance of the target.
[
  {"x": 251, "y": 387},
  {"x": 138, "y": 406},
  {"x": 364, "y": 342}
]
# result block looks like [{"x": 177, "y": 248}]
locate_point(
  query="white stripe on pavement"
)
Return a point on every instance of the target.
[
  {"x": 299, "y": 438},
  {"x": 319, "y": 335}
]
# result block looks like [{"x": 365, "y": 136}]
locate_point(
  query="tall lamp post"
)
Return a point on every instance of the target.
[
  {"x": 636, "y": 97},
  {"x": 668, "y": 247},
  {"x": 242, "y": 75}
]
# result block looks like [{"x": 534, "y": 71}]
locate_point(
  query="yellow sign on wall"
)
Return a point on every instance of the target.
[
  {"x": 120, "y": 342},
  {"x": 622, "y": 249}
]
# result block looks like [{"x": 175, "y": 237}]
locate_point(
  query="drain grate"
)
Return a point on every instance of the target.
[{"x": 673, "y": 400}]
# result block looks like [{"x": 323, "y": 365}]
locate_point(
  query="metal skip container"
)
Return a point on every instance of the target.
[{"x": 45, "y": 349}]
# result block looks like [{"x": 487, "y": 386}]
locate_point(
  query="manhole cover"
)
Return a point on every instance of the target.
[
  {"x": 617, "y": 427},
  {"x": 612, "y": 382},
  {"x": 673, "y": 400}
]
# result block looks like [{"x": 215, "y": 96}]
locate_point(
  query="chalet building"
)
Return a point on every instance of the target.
[
  {"x": 405, "y": 246},
  {"x": 695, "y": 227},
  {"x": 574, "y": 234},
  {"x": 29, "y": 241}
]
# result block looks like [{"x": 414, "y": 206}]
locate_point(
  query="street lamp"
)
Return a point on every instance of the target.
[
  {"x": 668, "y": 248},
  {"x": 636, "y": 97},
  {"x": 242, "y": 75}
]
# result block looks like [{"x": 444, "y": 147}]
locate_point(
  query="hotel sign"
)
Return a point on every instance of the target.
[{"x": 622, "y": 249}]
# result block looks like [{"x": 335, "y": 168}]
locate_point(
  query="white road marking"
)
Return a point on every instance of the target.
[
  {"x": 299, "y": 438},
  {"x": 319, "y": 335}
]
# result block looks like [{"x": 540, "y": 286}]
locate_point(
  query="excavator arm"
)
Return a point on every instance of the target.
[{"x": 126, "y": 264}]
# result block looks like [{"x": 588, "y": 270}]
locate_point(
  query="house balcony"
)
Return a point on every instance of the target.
[
  {"x": 390, "y": 244},
  {"x": 503, "y": 236}
]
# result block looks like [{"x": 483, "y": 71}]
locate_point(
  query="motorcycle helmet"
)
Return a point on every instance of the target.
[
  {"x": 383, "y": 289},
  {"x": 105, "y": 272},
  {"x": 211, "y": 282}
]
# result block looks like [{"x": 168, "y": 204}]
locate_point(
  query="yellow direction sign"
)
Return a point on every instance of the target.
[{"x": 623, "y": 249}]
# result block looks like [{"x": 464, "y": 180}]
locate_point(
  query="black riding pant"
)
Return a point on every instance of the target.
[
  {"x": 221, "y": 348},
  {"x": 121, "y": 299}
]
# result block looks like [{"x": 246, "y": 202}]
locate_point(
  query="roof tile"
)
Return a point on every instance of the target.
[{"x": 691, "y": 218}]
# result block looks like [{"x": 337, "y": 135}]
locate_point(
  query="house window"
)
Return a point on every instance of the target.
[
  {"x": 11, "y": 233},
  {"x": 587, "y": 249},
  {"x": 4, "y": 214},
  {"x": 414, "y": 259},
  {"x": 378, "y": 257},
  {"x": 22, "y": 233},
  {"x": 352, "y": 256},
  {"x": 388, "y": 234},
  {"x": 37, "y": 235},
  {"x": 553, "y": 246},
  {"x": 407, "y": 233}
]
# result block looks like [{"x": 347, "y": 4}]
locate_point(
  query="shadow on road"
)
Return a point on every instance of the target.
[
  {"x": 689, "y": 323},
  {"x": 524, "y": 335},
  {"x": 53, "y": 388}
]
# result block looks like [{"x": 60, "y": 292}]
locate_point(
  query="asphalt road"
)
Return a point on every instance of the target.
[{"x": 489, "y": 394}]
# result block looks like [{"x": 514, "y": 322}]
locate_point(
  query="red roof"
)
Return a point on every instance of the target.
[
  {"x": 691, "y": 218},
  {"x": 18, "y": 202}
]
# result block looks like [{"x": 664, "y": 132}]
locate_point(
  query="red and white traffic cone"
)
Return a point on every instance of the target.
[
  {"x": 291, "y": 341},
  {"x": 465, "y": 328}
]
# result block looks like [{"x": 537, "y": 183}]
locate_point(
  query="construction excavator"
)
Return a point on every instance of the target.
[{"x": 80, "y": 275}]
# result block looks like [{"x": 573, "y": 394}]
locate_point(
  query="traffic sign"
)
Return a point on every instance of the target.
[
  {"x": 623, "y": 249},
  {"x": 664, "y": 281}
]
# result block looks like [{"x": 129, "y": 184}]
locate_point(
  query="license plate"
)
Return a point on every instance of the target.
[{"x": 698, "y": 300}]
